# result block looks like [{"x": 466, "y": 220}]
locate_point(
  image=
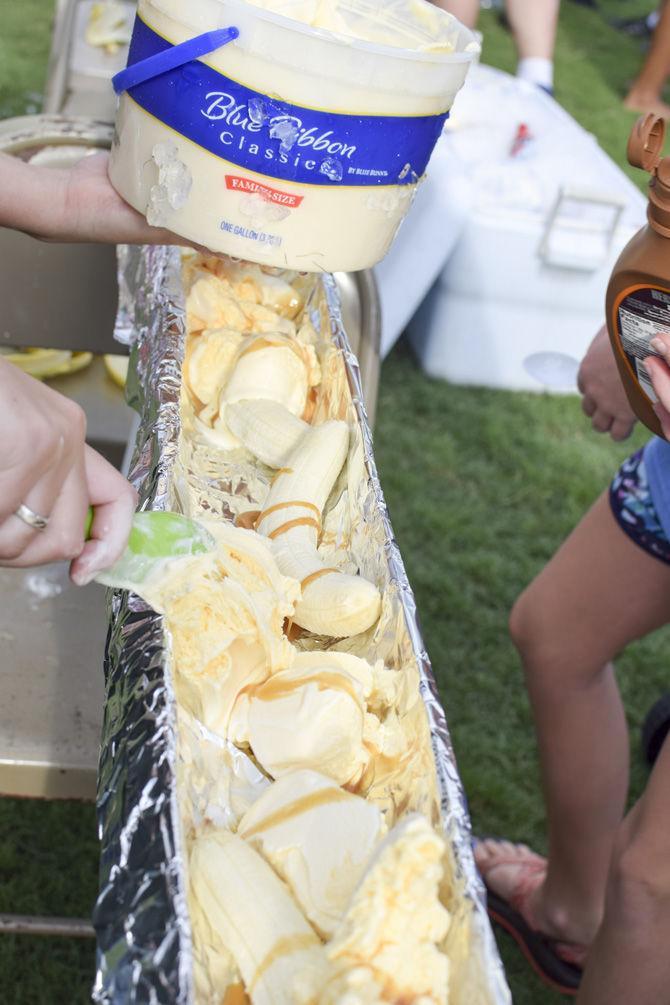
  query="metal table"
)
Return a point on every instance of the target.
[{"x": 52, "y": 635}]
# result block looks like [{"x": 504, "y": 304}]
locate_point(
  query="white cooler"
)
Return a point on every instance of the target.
[
  {"x": 523, "y": 291},
  {"x": 426, "y": 239}
]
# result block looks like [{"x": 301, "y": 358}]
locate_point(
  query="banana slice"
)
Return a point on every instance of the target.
[
  {"x": 267, "y": 429},
  {"x": 279, "y": 955},
  {"x": 273, "y": 367},
  {"x": 332, "y": 603}
]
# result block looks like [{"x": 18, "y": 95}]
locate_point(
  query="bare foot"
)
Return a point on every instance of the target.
[
  {"x": 638, "y": 101},
  {"x": 517, "y": 874}
]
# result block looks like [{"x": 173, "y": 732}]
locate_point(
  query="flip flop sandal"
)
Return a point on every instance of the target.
[{"x": 558, "y": 964}]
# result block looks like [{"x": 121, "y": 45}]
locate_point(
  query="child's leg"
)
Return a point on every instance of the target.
[
  {"x": 629, "y": 959},
  {"x": 467, "y": 11},
  {"x": 598, "y": 593},
  {"x": 645, "y": 92},
  {"x": 534, "y": 23}
]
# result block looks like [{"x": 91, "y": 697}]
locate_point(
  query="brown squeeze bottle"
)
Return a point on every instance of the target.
[{"x": 638, "y": 295}]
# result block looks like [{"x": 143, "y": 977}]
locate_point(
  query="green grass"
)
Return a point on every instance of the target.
[
  {"x": 25, "y": 38},
  {"x": 482, "y": 488},
  {"x": 49, "y": 866}
]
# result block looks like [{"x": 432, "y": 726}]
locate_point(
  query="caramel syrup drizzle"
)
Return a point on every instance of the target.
[
  {"x": 313, "y": 576},
  {"x": 276, "y": 687},
  {"x": 322, "y": 797},
  {"x": 236, "y": 995},
  {"x": 289, "y": 505},
  {"x": 302, "y": 521},
  {"x": 284, "y": 947},
  {"x": 281, "y": 471}
]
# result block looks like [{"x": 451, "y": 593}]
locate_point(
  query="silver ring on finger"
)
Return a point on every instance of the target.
[{"x": 32, "y": 518}]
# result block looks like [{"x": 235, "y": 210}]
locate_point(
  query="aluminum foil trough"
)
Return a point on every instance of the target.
[{"x": 141, "y": 917}]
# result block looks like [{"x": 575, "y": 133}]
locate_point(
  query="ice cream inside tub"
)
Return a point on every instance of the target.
[
  {"x": 412, "y": 25},
  {"x": 301, "y": 143}
]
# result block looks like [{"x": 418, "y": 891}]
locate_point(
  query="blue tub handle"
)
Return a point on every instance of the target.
[{"x": 172, "y": 58}]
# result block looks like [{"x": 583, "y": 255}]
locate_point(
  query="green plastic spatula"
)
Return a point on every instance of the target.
[{"x": 154, "y": 537}]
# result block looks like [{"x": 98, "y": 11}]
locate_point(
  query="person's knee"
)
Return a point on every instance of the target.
[
  {"x": 529, "y": 628},
  {"x": 539, "y": 627}
]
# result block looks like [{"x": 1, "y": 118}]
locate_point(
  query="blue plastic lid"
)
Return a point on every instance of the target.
[{"x": 173, "y": 57}]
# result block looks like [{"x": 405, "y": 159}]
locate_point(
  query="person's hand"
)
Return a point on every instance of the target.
[
  {"x": 94, "y": 210},
  {"x": 603, "y": 397},
  {"x": 659, "y": 371},
  {"x": 46, "y": 466},
  {"x": 75, "y": 204}
]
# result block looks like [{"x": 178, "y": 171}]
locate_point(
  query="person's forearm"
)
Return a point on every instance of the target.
[
  {"x": 32, "y": 199},
  {"x": 75, "y": 204}
]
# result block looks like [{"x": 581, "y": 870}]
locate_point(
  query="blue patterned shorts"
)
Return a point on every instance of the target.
[{"x": 634, "y": 510}]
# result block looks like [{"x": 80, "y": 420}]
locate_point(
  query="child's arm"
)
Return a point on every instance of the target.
[{"x": 603, "y": 397}]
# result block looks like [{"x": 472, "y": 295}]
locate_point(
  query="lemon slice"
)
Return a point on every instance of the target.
[
  {"x": 78, "y": 362},
  {"x": 117, "y": 368},
  {"x": 45, "y": 363}
]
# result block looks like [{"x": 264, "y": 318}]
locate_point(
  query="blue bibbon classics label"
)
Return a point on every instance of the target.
[{"x": 289, "y": 142}]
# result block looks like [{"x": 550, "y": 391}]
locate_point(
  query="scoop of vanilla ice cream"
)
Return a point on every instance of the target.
[
  {"x": 217, "y": 782},
  {"x": 406, "y": 24},
  {"x": 225, "y": 613},
  {"x": 209, "y": 361},
  {"x": 251, "y": 282},
  {"x": 394, "y": 924},
  {"x": 311, "y": 715},
  {"x": 246, "y": 281},
  {"x": 211, "y": 304},
  {"x": 318, "y": 838}
]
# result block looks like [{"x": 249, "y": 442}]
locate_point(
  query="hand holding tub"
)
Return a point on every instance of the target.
[{"x": 74, "y": 204}]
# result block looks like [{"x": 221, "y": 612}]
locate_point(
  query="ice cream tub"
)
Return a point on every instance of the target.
[
  {"x": 299, "y": 143},
  {"x": 171, "y": 785}
]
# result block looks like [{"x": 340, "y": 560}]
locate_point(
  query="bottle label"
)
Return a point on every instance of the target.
[
  {"x": 640, "y": 313},
  {"x": 289, "y": 142}
]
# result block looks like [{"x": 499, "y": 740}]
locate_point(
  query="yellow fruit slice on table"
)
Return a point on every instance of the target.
[
  {"x": 46, "y": 363},
  {"x": 117, "y": 368}
]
